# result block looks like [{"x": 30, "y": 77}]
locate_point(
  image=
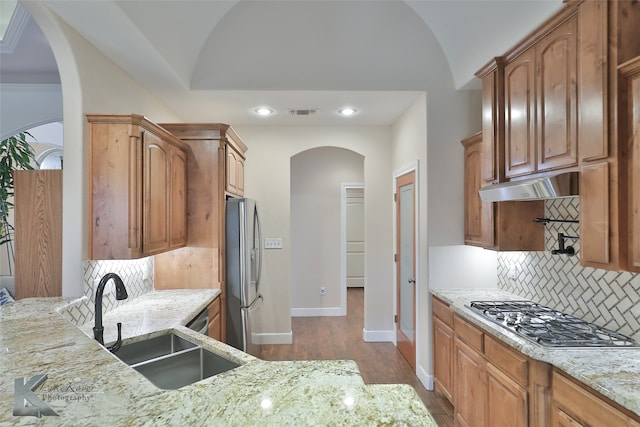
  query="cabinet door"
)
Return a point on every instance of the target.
[
  {"x": 507, "y": 404},
  {"x": 594, "y": 214},
  {"x": 235, "y": 172},
  {"x": 492, "y": 126},
  {"x": 214, "y": 320},
  {"x": 443, "y": 358},
  {"x": 633, "y": 129},
  {"x": 178, "y": 198},
  {"x": 156, "y": 185},
  {"x": 520, "y": 135},
  {"x": 593, "y": 91},
  {"x": 557, "y": 97},
  {"x": 474, "y": 210},
  {"x": 470, "y": 395}
]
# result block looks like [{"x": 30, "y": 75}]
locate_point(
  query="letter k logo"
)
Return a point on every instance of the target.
[{"x": 27, "y": 403}]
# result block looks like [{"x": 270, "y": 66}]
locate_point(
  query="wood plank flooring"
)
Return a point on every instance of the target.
[{"x": 340, "y": 337}]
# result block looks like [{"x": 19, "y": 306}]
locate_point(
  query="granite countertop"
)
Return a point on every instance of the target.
[
  {"x": 614, "y": 372},
  {"x": 86, "y": 385}
]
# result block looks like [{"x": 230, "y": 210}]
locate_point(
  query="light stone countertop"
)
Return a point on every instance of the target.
[
  {"x": 86, "y": 385},
  {"x": 614, "y": 372}
]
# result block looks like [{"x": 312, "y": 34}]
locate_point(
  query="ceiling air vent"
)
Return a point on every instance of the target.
[{"x": 307, "y": 112}]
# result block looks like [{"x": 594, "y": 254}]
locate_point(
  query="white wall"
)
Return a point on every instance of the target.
[
  {"x": 268, "y": 178},
  {"x": 316, "y": 198},
  {"x": 91, "y": 83},
  {"x": 23, "y": 106}
]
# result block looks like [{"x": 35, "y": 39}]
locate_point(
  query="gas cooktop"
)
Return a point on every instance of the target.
[{"x": 548, "y": 327}]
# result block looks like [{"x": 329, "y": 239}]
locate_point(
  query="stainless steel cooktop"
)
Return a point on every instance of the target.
[{"x": 548, "y": 327}]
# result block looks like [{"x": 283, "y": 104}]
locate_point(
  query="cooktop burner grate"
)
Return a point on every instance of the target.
[{"x": 548, "y": 327}]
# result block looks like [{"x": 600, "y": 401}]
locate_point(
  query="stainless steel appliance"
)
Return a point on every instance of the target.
[
  {"x": 243, "y": 270},
  {"x": 201, "y": 322},
  {"x": 548, "y": 327}
]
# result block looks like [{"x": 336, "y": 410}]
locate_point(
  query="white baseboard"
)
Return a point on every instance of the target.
[
  {"x": 283, "y": 338},
  {"x": 425, "y": 378},
  {"x": 378, "y": 336},
  {"x": 316, "y": 312}
]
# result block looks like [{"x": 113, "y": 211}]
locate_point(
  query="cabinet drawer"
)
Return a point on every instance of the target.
[
  {"x": 468, "y": 333},
  {"x": 214, "y": 308},
  {"x": 582, "y": 404},
  {"x": 511, "y": 363},
  {"x": 442, "y": 311}
]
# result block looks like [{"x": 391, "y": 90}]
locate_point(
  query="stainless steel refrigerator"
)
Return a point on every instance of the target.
[{"x": 243, "y": 269}]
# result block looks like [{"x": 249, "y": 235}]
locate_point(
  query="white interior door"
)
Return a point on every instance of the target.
[{"x": 355, "y": 237}]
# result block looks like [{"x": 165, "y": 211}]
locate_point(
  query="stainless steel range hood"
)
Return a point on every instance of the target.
[{"x": 539, "y": 188}]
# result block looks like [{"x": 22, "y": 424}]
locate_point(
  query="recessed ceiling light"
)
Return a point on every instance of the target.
[
  {"x": 264, "y": 111},
  {"x": 347, "y": 111}
]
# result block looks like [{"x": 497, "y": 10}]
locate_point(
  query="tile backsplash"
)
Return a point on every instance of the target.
[
  {"x": 607, "y": 298},
  {"x": 137, "y": 276}
]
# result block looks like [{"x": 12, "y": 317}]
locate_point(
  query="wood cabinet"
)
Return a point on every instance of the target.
[
  {"x": 540, "y": 101},
  {"x": 610, "y": 36},
  {"x": 215, "y": 323},
  {"x": 630, "y": 135},
  {"x": 492, "y": 76},
  {"x": 553, "y": 102},
  {"x": 201, "y": 263},
  {"x": 493, "y": 384},
  {"x": 38, "y": 233},
  {"x": 470, "y": 398},
  {"x": 443, "y": 349},
  {"x": 235, "y": 150},
  {"x": 504, "y": 226},
  {"x": 576, "y": 405},
  {"x": 137, "y": 187}
]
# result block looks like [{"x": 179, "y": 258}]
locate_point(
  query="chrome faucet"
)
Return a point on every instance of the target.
[{"x": 121, "y": 293}]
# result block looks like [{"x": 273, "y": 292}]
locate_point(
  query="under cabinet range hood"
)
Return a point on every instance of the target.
[{"x": 538, "y": 188}]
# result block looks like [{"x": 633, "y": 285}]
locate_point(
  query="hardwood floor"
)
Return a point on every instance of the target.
[{"x": 340, "y": 337}]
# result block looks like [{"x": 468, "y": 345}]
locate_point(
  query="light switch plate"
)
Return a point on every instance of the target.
[{"x": 272, "y": 243}]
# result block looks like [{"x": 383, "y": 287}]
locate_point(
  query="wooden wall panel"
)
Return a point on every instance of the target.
[{"x": 38, "y": 233}]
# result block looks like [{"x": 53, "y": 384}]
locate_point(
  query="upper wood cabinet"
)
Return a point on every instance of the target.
[
  {"x": 216, "y": 171},
  {"x": 138, "y": 190},
  {"x": 630, "y": 134},
  {"x": 492, "y": 76},
  {"x": 503, "y": 226},
  {"x": 561, "y": 111},
  {"x": 540, "y": 102},
  {"x": 235, "y": 150},
  {"x": 475, "y": 212}
]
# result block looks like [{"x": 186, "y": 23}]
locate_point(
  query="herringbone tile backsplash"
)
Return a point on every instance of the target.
[
  {"x": 137, "y": 276},
  {"x": 607, "y": 298}
]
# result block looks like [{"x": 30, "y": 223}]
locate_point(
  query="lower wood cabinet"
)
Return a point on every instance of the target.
[
  {"x": 470, "y": 398},
  {"x": 491, "y": 384},
  {"x": 575, "y": 405},
  {"x": 214, "y": 330}
]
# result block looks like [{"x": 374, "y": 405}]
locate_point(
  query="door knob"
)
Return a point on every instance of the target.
[{"x": 412, "y": 280}]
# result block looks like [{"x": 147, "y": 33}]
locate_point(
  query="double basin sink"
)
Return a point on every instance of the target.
[{"x": 171, "y": 362}]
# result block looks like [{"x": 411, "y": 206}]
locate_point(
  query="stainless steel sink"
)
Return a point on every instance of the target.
[
  {"x": 152, "y": 348},
  {"x": 184, "y": 368},
  {"x": 171, "y": 362}
]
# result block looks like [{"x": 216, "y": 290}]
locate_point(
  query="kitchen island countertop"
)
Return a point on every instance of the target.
[
  {"x": 614, "y": 372},
  {"x": 86, "y": 385}
]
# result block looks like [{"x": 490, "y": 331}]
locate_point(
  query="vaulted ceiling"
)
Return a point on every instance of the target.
[{"x": 301, "y": 54}]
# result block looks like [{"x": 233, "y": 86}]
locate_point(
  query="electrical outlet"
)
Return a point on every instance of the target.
[
  {"x": 323, "y": 290},
  {"x": 513, "y": 272},
  {"x": 272, "y": 243}
]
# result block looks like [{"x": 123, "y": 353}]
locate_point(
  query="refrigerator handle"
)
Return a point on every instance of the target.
[{"x": 259, "y": 230}]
